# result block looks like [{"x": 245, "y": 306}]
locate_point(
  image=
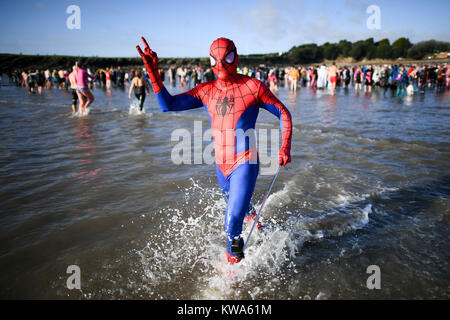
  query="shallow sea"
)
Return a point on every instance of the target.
[{"x": 369, "y": 184}]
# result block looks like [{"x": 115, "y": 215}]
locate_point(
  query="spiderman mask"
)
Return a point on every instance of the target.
[{"x": 224, "y": 59}]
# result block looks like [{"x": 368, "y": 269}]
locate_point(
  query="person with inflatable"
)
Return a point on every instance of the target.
[{"x": 232, "y": 102}]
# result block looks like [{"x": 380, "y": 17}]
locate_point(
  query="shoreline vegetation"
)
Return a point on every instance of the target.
[{"x": 401, "y": 51}]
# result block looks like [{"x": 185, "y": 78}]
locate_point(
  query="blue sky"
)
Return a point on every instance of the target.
[{"x": 187, "y": 28}]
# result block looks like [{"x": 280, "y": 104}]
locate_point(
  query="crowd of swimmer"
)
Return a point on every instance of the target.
[
  {"x": 81, "y": 81},
  {"x": 399, "y": 79}
]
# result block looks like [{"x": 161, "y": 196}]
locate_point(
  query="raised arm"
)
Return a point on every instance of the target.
[
  {"x": 167, "y": 102},
  {"x": 273, "y": 105}
]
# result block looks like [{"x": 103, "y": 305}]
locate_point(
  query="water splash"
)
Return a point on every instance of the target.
[
  {"x": 134, "y": 108},
  {"x": 187, "y": 252},
  {"x": 80, "y": 114},
  {"x": 189, "y": 246}
]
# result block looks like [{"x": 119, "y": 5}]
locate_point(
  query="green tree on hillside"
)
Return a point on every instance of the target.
[
  {"x": 344, "y": 48},
  {"x": 306, "y": 53},
  {"x": 400, "y": 47},
  {"x": 420, "y": 49}
]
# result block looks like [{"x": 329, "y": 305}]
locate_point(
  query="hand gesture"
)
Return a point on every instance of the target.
[
  {"x": 284, "y": 156},
  {"x": 149, "y": 57}
]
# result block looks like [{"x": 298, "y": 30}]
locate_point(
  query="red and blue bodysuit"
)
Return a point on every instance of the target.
[{"x": 232, "y": 102}]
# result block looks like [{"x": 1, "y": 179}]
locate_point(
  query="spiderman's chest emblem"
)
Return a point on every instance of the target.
[{"x": 225, "y": 105}]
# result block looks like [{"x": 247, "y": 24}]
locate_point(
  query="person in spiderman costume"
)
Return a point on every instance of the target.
[{"x": 232, "y": 102}]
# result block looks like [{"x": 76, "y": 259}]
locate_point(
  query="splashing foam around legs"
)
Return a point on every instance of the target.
[
  {"x": 184, "y": 258},
  {"x": 134, "y": 108},
  {"x": 188, "y": 251},
  {"x": 80, "y": 114}
]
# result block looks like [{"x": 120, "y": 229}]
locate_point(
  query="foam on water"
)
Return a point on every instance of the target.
[
  {"x": 134, "y": 108},
  {"x": 80, "y": 114}
]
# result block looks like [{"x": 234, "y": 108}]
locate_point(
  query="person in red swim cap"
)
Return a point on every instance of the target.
[{"x": 232, "y": 102}]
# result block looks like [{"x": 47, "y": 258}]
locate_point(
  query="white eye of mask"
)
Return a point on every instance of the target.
[
  {"x": 229, "y": 58},
  {"x": 212, "y": 60}
]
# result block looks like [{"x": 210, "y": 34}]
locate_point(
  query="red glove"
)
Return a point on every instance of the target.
[
  {"x": 150, "y": 59},
  {"x": 284, "y": 156}
]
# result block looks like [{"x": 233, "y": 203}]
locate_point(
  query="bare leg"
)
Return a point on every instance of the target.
[
  {"x": 82, "y": 100},
  {"x": 90, "y": 98}
]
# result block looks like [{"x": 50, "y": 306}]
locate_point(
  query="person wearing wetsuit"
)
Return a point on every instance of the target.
[
  {"x": 401, "y": 81},
  {"x": 314, "y": 82},
  {"x": 357, "y": 79},
  {"x": 139, "y": 84},
  {"x": 120, "y": 77},
  {"x": 40, "y": 81},
  {"x": 422, "y": 79},
  {"x": 347, "y": 77},
  {"x": 232, "y": 102},
  {"x": 31, "y": 80}
]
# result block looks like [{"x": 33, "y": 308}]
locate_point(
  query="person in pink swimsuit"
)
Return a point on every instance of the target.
[
  {"x": 84, "y": 94},
  {"x": 448, "y": 76},
  {"x": 273, "y": 81}
]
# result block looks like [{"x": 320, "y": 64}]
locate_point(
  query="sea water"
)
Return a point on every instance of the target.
[{"x": 369, "y": 184}]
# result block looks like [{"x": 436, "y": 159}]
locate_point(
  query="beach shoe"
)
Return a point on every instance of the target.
[
  {"x": 236, "y": 254},
  {"x": 251, "y": 218},
  {"x": 232, "y": 259}
]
